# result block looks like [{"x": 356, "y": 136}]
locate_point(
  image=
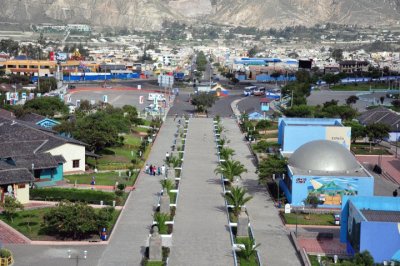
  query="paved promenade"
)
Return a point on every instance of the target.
[
  {"x": 276, "y": 247},
  {"x": 200, "y": 232},
  {"x": 128, "y": 240}
]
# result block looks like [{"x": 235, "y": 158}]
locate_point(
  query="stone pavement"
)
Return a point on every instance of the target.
[
  {"x": 128, "y": 241},
  {"x": 10, "y": 236},
  {"x": 326, "y": 246},
  {"x": 200, "y": 234},
  {"x": 276, "y": 247}
]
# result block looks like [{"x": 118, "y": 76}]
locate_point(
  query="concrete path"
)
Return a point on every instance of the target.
[
  {"x": 128, "y": 241},
  {"x": 200, "y": 231},
  {"x": 276, "y": 247}
]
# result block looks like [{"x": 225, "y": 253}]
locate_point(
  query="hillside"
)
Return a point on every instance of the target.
[{"x": 149, "y": 14}]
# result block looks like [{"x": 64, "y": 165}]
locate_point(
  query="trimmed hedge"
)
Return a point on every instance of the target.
[{"x": 73, "y": 195}]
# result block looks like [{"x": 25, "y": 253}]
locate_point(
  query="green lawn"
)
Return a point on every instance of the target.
[
  {"x": 29, "y": 223},
  {"x": 104, "y": 179},
  {"x": 357, "y": 87},
  {"x": 312, "y": 219},
  {"x": 365, "y": 149}
]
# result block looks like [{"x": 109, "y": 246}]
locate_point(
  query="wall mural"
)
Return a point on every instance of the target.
[{"x": 330, "y": 190}]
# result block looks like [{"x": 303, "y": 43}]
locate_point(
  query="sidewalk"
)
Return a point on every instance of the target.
[
  {"x": 128, "y": 240},
  {"x": 200, "y": 233},
  {"x": 276, "y": 248}
]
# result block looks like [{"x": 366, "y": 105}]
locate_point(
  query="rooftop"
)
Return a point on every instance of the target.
[
  {"x": 325, "y": 158},
  {"x": 381, "y": 216}
]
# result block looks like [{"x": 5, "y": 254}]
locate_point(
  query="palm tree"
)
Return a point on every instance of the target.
[
  {"x": 230, "y": 169},
  {"x": 222, "y": 142},
  {"x": 161, "y": 219},
  {"x": 167, "y": 185},
  {"x": 237, "y": 197},
  {"x": 226, "y": 153},
  {"x": 249, "y": 249}
]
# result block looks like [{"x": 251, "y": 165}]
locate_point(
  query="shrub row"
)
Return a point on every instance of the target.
[{"x": 73, "y": 195}]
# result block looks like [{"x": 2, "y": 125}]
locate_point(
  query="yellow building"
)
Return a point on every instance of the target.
[{"x": 29, "y": 67}]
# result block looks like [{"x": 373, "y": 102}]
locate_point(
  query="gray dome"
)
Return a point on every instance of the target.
[{"x": 323, "y": 155}]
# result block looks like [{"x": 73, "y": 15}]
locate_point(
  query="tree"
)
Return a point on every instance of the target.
[
  {"x": 263, "y": 124},
  {"x": 167, "y": 184},
  {"x": 237, "y": 197},
  {"x": 337, "y": 54},
  {"x": 377, "y": 131},
  {"x": 161, "y": 219},
  {"x": 97, "y": 130},
  {"x": 46, "y": 106},
  {"x": 364, "y": 258},
  {"x": 274, "y": 164},
  {"x": 226, "y": 153},
  {"x": 252, "y": 52},
  {"x": 312, "y": 200},
  {"x": 46, "y": 84},
  {"x": 357, "y": 130},
  {"x": 345, "y": 112},
  {"x": 352, "y": 99},
  {"x": 10, "y": 206},
  {"x": 203, "y": 101},
  {"x": 230, "y": 169},
  {"x": 299, "y": 111},
  {"x": 249, "y": 248},
  {"x": 76, "y": 220},
  {"x": 331, "y": 78}
]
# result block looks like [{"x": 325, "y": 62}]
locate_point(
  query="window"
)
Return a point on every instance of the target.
[{"x": 75, "y": 163}]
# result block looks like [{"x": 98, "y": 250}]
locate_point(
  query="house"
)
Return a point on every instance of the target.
[
  {"x": 14, "y": 181},
  {"x": 353, "y": 66},
  {"x": 327, "y": 170},
  {"x": 39, "y": 120},
  {"x": 294, "y": 132},
  {"x": 19, "y": 138},
  {"x": 385, "y": 116},
  {"x": 371, "y": 223}
]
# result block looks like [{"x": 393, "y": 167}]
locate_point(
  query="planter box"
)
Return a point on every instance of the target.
[{"x": 6, "y": 261}]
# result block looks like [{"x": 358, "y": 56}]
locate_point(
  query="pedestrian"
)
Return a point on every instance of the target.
[
  {"x": 163, "y": 169},
  {"x": 167, "y": 157},
  {"x": 159, "y": 170},
  {"x": 93, "y": 181},
  {"x": 146, "y": 168},
  {"x": 154, "y": 170},
  {"x": 395, "y": 193},
  {"x": 151, "y": 169}
]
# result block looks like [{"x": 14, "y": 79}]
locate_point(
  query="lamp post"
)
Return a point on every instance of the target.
[{"x": 77, "y": 256}]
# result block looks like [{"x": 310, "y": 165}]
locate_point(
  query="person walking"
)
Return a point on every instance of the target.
[
  {"x": 163, "y": 169},
  {"x": 146, "y": 168},
  {"x": 154, "y": 170},
  {"x": 159, "y": 170},
  {"x": 151, "y": 169},
  {"x": 167, "y": 157}
]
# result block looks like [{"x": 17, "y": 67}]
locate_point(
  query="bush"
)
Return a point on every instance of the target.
[
  {"x": 119, "y": 193},
  {"x": 4, "y": 253},
  {"x": 121, "y": 186},
  {"x": 73, "y": 195}
]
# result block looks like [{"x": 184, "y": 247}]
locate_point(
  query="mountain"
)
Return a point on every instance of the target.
[{"x": 149, "y": 14}]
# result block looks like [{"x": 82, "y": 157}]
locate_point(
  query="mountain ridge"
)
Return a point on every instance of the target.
[{"x": 149, "y": 14}]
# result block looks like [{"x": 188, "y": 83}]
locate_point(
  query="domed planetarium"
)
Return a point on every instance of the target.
[{"x": 328, "y": 170}]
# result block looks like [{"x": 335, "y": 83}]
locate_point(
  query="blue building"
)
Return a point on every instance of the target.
[
  {"x": 327, "y": 170},
  {"x": 294, "y": 132},
  {"x": 373, "y": 224}
]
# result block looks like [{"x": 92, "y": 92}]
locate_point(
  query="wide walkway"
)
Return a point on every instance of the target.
[
  {"x": 129, "y": 239},
  {"x": 276, "y": 247},
  {"x": 200, "y": 231}
]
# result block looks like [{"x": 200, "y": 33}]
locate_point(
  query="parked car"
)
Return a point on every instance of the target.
[
  {"x": 259, "y": 91},
  {"x": 337, "y": 219}
]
